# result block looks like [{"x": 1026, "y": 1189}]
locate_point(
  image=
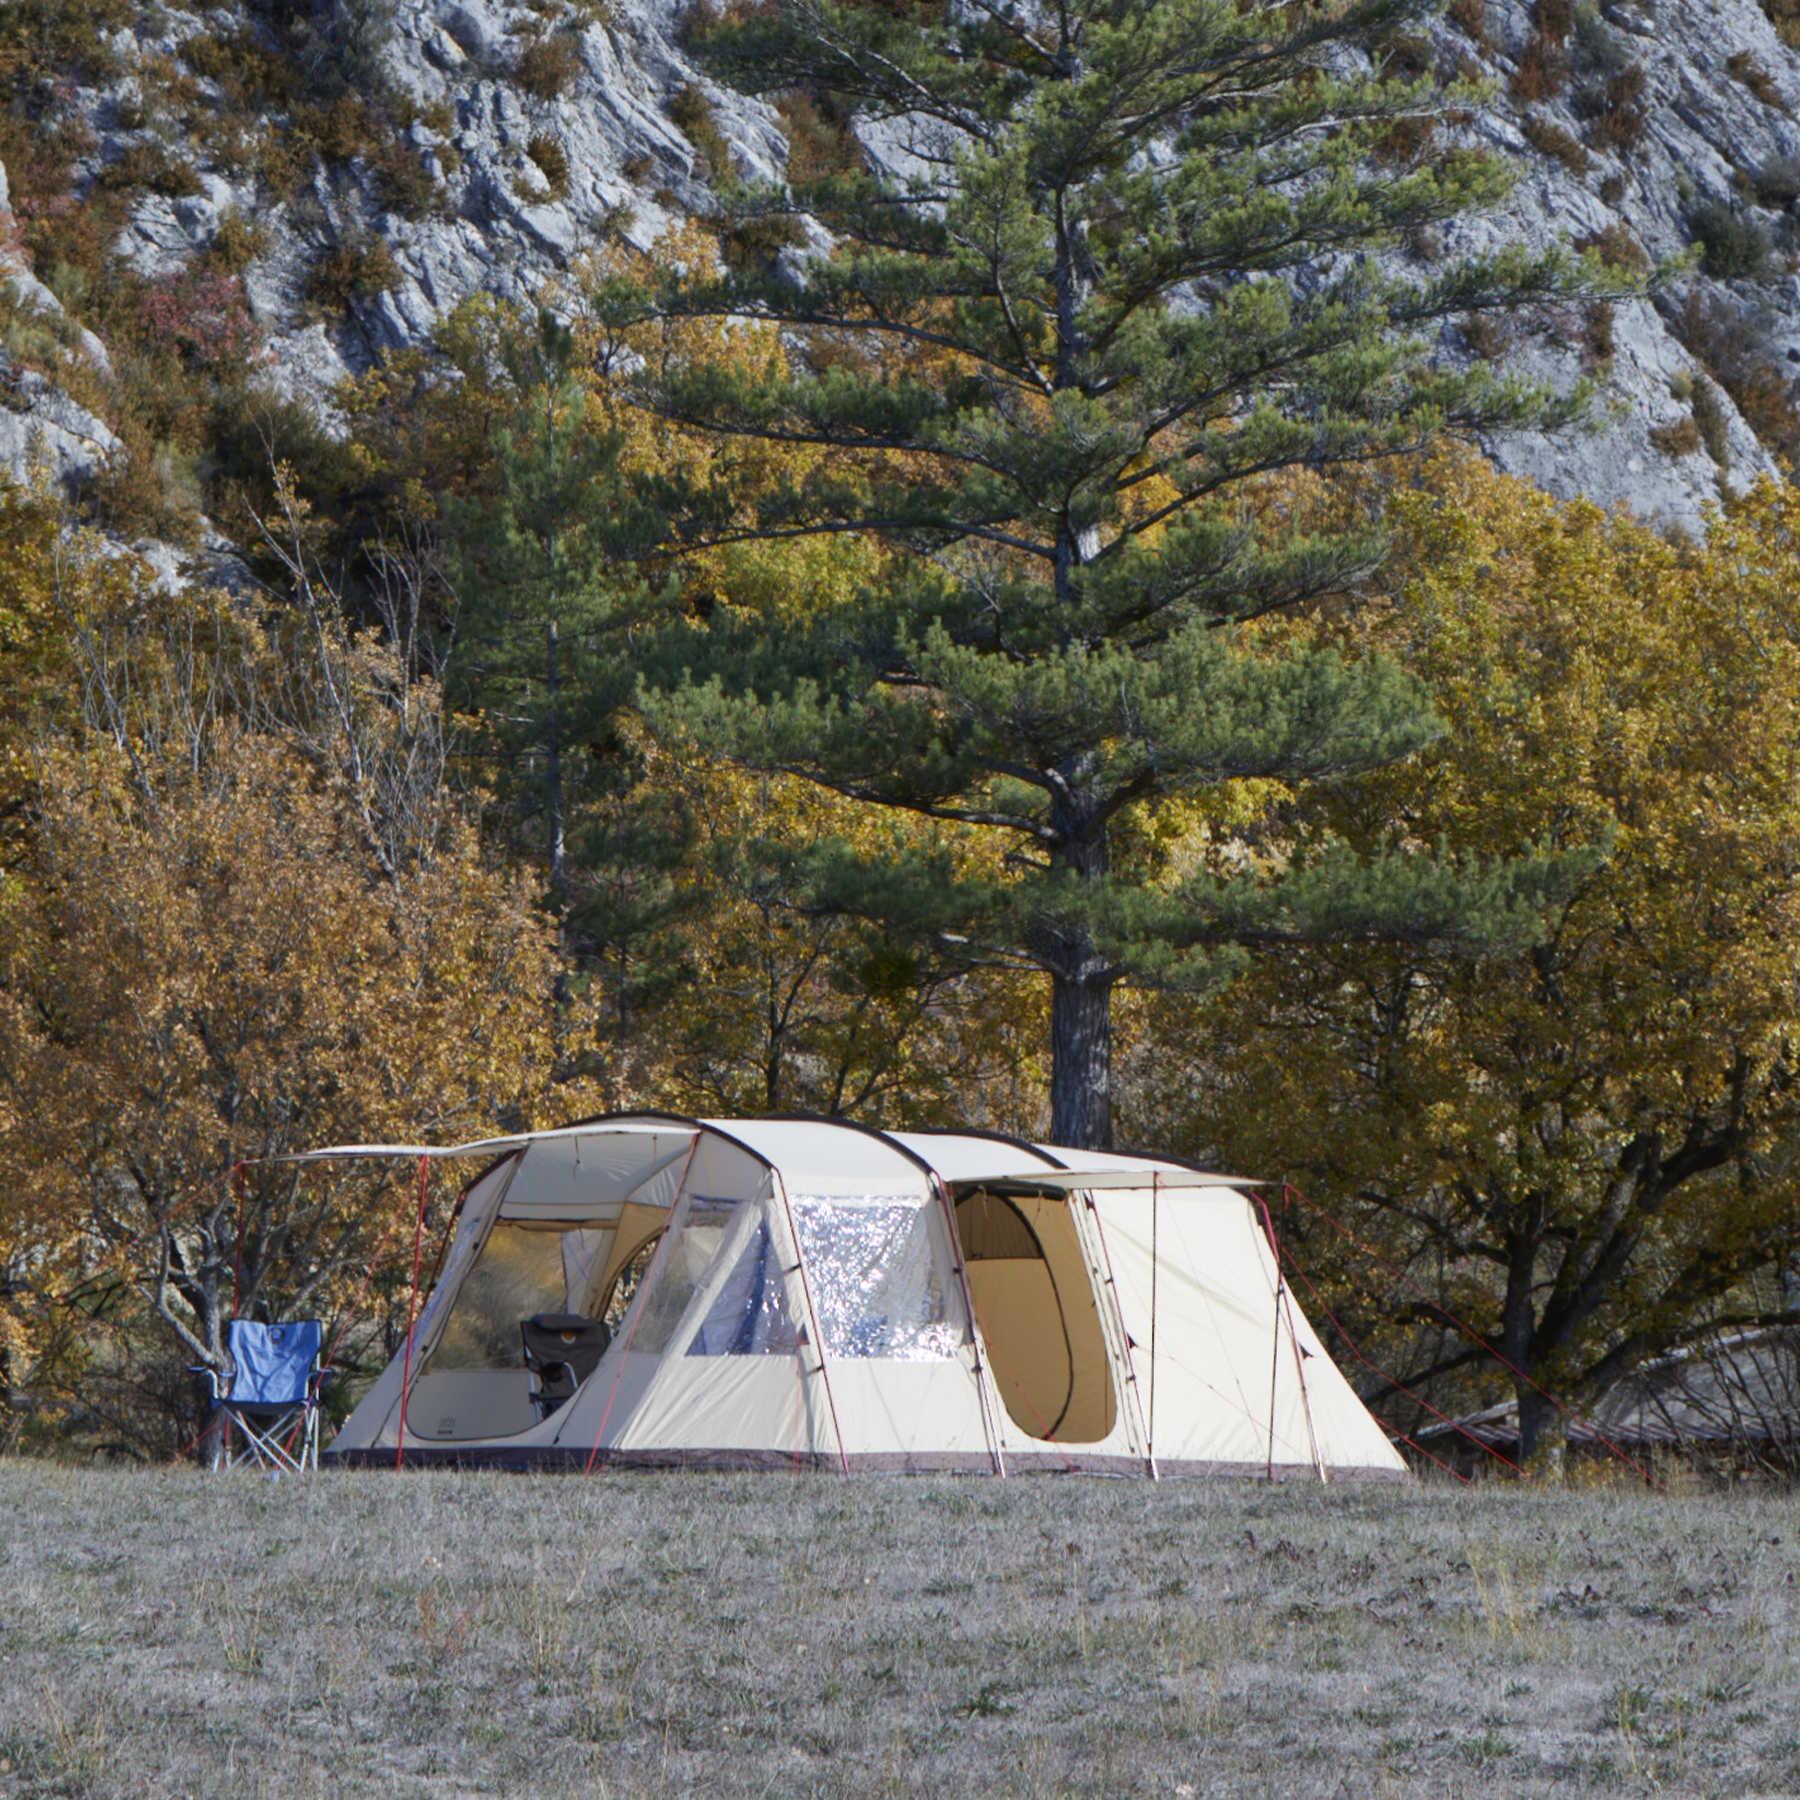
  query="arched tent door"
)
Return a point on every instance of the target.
[{"x": 1034, "y": 1303}]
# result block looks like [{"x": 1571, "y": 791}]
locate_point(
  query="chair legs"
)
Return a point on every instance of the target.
[{"x": 284, "y": 1442}]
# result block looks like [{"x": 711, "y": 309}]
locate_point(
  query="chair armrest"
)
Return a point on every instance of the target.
[{"x": 211, "y": 1374}]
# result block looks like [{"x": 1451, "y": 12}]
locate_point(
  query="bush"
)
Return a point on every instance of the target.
[
  {"x": 1406, "y": 139},
  {"x": 1487, "y": 335},
  {"x": 1549, "y": 137},
  {"x": 754, "y": 244},
  {"x": 1406, "y": 55},
  {"x": 1598, "y": 340},
  {"x": 1784, "y": 15},
  {"x": 1733, "y": 247},
  {"x": 1555, "y": 19},
  {"x": 1597, "y": 45},
  {"x": 1714, "y": 427},
  {"x": 1617, "y": 247},
  {"x": 553, "y": 163},
  {"x": 820, "y": 141},
  {"x": 1615, "y": 114},
  {"x": 1744, "y": 67},
  {"x": 692, "y": 114},
  {"x": 350, "y": 272},
  {"x": 202, "y": 314},
  {"x": 1739, "y": 356},
  {"x": 237, "y": 243},
  {"x": 547, "y": 67},
  {"x": 149, "y": 489},
  {"x": 1777, "y": 182},
  {"x": 1471, "y": 16},
  {"x": 1679, "y": 438},
  {"x": 1543, "y": 67},
  {"x": 148, "y": 167},
  {"x": 1734, "y": 243}
]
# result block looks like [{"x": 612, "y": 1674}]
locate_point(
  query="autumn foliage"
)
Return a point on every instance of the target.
[{"x": 270, "y": 879}]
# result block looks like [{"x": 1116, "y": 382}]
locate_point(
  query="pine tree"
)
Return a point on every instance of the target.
[
  {"x": 547, "y": 558},
  {"x": 541, "y": 567},
  {"x": 1108, "y": 265}
]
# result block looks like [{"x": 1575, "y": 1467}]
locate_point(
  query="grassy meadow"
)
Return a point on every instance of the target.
[{"x": 169, "y": 1633}]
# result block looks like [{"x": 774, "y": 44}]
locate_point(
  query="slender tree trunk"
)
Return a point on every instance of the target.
[{"x": 1081, "y": 1063}]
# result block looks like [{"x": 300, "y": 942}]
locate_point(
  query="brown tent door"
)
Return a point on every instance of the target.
[{"x": 1034, "y": 1303}]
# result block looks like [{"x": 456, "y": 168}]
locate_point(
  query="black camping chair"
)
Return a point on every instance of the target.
[{"x": 561, "y": 1350}]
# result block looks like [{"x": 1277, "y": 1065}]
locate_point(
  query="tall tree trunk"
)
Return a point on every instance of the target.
[{"x": 1081, "y": 1063}]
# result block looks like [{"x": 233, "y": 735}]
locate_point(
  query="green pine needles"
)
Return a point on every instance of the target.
[{"x": 1104, "y": 266}]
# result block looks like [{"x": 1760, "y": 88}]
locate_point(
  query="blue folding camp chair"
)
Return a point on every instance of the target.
[{"x": 272, "y": 1397}]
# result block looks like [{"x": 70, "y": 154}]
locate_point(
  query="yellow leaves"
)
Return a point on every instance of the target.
[
  {"x": 1598, "y": 682},
  {"x": 246, "y": 918}
]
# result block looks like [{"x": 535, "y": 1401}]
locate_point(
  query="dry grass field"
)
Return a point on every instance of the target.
[{"x": 166, "y": 1633}]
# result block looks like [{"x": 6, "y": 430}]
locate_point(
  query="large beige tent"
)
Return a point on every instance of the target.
[{"x": 784, "y": 1292}]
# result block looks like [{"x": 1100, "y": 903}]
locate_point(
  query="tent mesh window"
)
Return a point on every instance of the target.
[
  {"x": 518, "y": 1274},
  {"x": 749, "y": 1314},
  {"x": 683, "y": 1264},
  {"x": 876, "y": 1283},
  {"x": 621, "y": 1290}
]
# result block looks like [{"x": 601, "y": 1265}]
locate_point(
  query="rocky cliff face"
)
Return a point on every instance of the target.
[{"x": 353, "y": 179}]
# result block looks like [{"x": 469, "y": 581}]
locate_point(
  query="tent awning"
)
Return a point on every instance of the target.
[
  {"x": 1074, "y": 1181},
  {"x": 496, "y": 1146}
]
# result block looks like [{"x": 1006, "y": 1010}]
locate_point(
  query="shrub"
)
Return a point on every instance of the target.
[
  {"x": 1597, "y": 45},
  {"x": 1555, "y": 18},
  {"x": 148, "y": 167},
  {"x": 1407, "y": 55},
  {"x": 820, "y": 141},
  {"x": 350, "y": 272},
  {"x": 149, "y": 489},
  {"x": 1486, "y": 334},
  {"x": 1777, "y": 182},
  {"x": 1406, "y": 139},
  {"x": 1616, "y": 246},
  {"x": 212, "y": 58},
  {"x": 692, "y": 115},
  {"x": 1549, "y": 137},
  {"x": 1542, "y": 71},
  {"x": 1740, "y": 358},
  {"x": 1744, "y": 67},
  {"x": 237, "y": 243},
  {"x": 1471, "y": 16},
  {"x": 1616, "y": 116},
  {"x": 1424, "y": 242},
  {"x": 1543, "y": 66},
  {"x": 1784, "y": 15},
  {"x": 202, "y": 314},
  {"x": 552, "y": 161},
  {"x": 547, "y": 66},
  {"x": 1714, "y": 427},
  {"x": 1732, "y": 246},
  {"x": 1681, "y": 437},
  {"x": 754, "y": 244},
  {"x": 1598, "y": 342}
]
